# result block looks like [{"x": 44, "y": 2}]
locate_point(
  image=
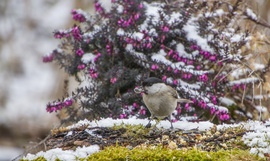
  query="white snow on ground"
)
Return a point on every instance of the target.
[
  {"x": 109, "y": 122},
  {"x": 67, "y": 155},
  {"x": 258, "y": 138}
]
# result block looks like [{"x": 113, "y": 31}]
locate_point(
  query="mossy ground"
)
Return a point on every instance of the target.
[
  {"x": 160, "y": 153},
  {"x": 163, "y": 144}
]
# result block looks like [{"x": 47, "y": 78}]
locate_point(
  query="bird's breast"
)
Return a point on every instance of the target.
[{"x": 160, "y": 105}]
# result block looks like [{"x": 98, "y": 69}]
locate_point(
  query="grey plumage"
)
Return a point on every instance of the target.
[{"x": 160, "y": 99}]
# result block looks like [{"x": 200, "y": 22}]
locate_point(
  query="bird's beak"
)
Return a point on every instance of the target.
[{"x": 139, "y": 89}]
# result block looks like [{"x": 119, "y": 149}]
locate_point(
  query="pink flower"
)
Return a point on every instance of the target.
[
  {"x": 184, "y": 60},
  {"x": 214, "y": 100},
  {"x": 187, "y": 106},
  {"x": 164, "y": 78},
  {"x": 98, "y": 7},
  {"x": 81, "y": 66},
  {"x": 175, "y": 56},
  {"x": 79, "y": 52},
  {"x": 97, "y": 56},
  {"x": 184, "y": 76},
  {"x": 190, "y": 62},
  {"x": 68, "y": 102},
  {"x": 195, "y": 47},
  {"x": 193, "y": 100},
  {"x": 212, "y": 109},
  {"x": 212, "y": 58},
  {"x": 154, "y": 67},
  {"x": 149, "y": 45},
  {"x": 78, "y": 17},
  {"x": 140, "y": 5},
  {"x": 122, "y": 116},
  {"x": 175, "y": 82},
  {"x": 174, "y": 121},
  {"x": 113, "y": 80},
  {"x": 170, "y": 52},
  {"x": 142, "y": 111},
  {"x": 58, "y": 35},
  {"x": 162, "y": 46},
  {"x": 137, "y": 16},
  {"x": 165, "y": 29},
  {"x": 220, "y": 63},
  {"x": 93, "y": 73},
  {"x": 189, "y": 76},
  {"x": 203, "y": 78},
  {"x": 135, "y": 105},
  {"x": 76, "y": 33},
  {"x": 48, "y": 58}
]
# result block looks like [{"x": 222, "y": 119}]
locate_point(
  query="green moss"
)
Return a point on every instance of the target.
[
  {"x": 37, "y": 159},
  {"x": 159, "y": 153},
  {"x": 132, "y": 131}
]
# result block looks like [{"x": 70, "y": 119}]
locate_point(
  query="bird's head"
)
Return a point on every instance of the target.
[{"x": 149, "y": 85}]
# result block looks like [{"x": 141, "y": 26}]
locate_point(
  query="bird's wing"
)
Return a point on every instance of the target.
[{"x": 175, "y": 94}]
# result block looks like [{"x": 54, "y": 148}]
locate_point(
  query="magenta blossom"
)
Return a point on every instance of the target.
[
  {"x": 135, "y": 105},
  {"x": 79, "y": 52},
  {"x": 122, "y": 116},
  {"x": 203, "y": 78},
  {"x": 76, "y": 33},
  {"x": 154, "y": 67},
  {"x": 58, "y": 105},
  {"x": 113, "y": 80},
  {"x": 170, "y": 52},
  {"x": 48, "y": 58},
  {"x": 93, "y": 73},
  {"x": 142, "y": 111},
  {"x": 81, "y": 66},
  {"x": 175, "y": 82},
  {"x": 164, "y": 78},
  {"x": 78, "y": 17},
  {"x": 187, "y": 106},
  {"x": 213, "y": 110}
]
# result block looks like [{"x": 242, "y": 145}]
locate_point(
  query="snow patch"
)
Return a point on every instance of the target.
[{"x": 68, "y": 155}]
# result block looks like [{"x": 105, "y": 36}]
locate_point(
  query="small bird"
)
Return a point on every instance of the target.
[{"x": 160, "y": 99}]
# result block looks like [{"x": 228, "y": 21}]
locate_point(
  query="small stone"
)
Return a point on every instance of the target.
[
  {"x": 129, "y": 147},
  {"x": 217, "y": 133},
  {"x": 182, "y": 141},
  {"x": 78, "y": 143},
  {"x": 224, "y": 145},
  {"x": 165, "y": 137},
  {"x": 198, "y": 136},
  {"x": 208, "y": 133},
  {"x": 172, "y": 145}
]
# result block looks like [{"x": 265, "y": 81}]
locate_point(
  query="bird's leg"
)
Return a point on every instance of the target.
[
  {"x": 169, "y": 118},
  {"x": 149, "y": 123}
]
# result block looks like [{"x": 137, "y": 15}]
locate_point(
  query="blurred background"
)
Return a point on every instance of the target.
[{"x": 26, "y": 83}]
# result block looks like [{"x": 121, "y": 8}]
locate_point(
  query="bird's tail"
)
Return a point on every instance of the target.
[{"x": 184, "y": 100}]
